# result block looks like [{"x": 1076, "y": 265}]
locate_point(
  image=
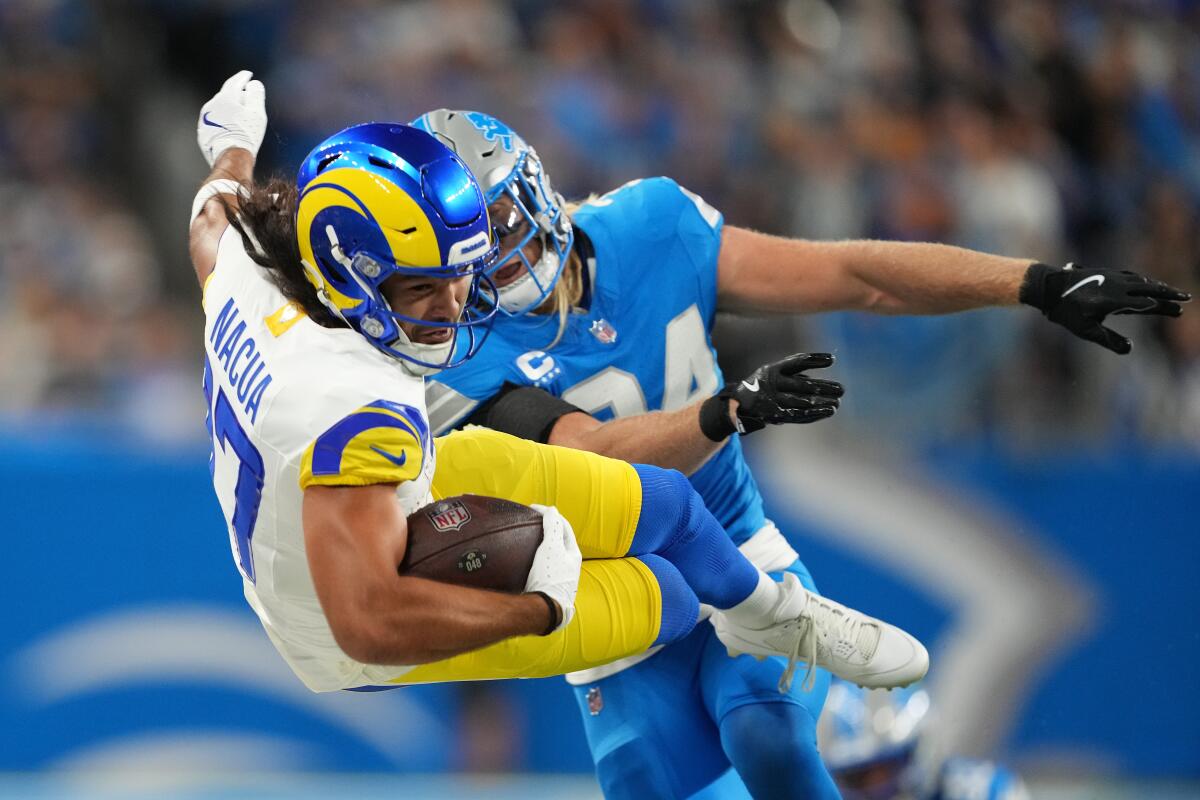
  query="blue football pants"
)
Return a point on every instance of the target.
[{"x": 673, "y": 725}]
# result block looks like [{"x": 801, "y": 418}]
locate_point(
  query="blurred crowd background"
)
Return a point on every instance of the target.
[{"x": 1064, "y": 131}]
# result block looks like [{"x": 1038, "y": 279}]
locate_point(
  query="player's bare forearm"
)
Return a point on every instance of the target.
[
  {"x": 770, "y": 273},
  {"x": 415, "y": 621},
  {"x": 354, "y": 540},
  {"x": 208, "y": 226},
  {"x": 668, "y": 439},
  {"x": 235, "y": 164}
]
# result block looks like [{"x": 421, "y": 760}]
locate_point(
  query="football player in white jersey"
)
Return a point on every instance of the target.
[{"x": 325, "y": 305}]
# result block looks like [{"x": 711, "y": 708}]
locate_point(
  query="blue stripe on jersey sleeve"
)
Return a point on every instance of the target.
[{"x": 329, "y": 447}]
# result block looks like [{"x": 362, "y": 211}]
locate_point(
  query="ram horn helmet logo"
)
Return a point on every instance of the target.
[{"x": 448, "y": 515}]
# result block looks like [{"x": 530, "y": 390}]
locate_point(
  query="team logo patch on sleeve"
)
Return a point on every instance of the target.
[
  {"x": 604, "y": 332},
  {"x": 448, "y": 515},
  {"x": 595, "y": 701}
]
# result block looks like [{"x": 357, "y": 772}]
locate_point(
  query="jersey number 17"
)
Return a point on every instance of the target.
[{"x": 229, "y": 439}]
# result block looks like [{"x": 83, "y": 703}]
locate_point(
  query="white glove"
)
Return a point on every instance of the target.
[
  {"x": 556, "y": 563},
  {"x": 236, "y": 116}
]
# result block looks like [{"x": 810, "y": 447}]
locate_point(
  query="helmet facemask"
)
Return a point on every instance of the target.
[
  {"x": 381, "y": 324},
  {"x": 870, "y": 740},
  {"x": 539, "y": 211}
]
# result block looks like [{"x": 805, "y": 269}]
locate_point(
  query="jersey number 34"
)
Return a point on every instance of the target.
[{"x": 689, "y": 374}]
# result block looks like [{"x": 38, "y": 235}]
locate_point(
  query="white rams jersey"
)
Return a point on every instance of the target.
[{"x": 292, "y": 404}]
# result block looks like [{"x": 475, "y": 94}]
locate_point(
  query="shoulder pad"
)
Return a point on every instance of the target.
[{"x": 382, "y": 442}]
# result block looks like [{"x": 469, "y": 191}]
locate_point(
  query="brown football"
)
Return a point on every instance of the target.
[{"x": 484, "y": 542}]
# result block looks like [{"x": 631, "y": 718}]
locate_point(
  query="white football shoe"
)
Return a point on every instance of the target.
[{"x": 823, "y": 633}]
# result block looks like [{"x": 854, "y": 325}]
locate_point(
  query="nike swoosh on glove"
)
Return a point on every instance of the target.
[
  {"x": 778, "y": 393},
  {"x": 1080, "y": 299},
  {"x": 236, "y": 116}
]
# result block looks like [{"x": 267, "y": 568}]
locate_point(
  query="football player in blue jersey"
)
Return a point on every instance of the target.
[
  {"x": 872, "y": 742},
  {"x": 607, "y": 309}
]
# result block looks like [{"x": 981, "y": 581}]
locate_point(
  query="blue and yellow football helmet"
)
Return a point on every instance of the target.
[
  {"x": 385, "y": 199},
  {"x": 506, "y": 165}
]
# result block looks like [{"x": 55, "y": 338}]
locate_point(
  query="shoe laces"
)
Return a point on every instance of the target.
[
  {"x": 822, "y": 619},
  {"x": 804, "y": 648}
]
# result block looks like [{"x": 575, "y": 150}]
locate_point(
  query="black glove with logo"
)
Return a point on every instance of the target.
[
  {"x": 1079, "y": 299},
  {"x": 774, "y": 394}
]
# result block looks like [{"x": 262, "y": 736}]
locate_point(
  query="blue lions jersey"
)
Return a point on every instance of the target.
[{"x": 643, "y": 343}]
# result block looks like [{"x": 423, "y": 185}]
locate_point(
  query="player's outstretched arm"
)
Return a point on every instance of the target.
[
  {"x": 668, "y": 439},
  {"x": 229, "y": 131},
  {"x": 774, "y": 394},
  {"x": 769, "y": 273},
  {"x": 355, "y": 537}
]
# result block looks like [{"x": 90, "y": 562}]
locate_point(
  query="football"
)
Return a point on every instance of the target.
[{"x": 470, "y": 540}]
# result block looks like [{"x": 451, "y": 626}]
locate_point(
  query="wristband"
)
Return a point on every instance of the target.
[
  {"x": 1033, "y": 287},
  {"x": 714, "y": 417},
  {"x": 211, "y": 190},
  {"x": 553, "y": 606},
  {"x": 523, "y": 411}
]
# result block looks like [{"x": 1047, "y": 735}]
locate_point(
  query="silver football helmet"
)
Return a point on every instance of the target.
[{"x": 505, "y": 165}]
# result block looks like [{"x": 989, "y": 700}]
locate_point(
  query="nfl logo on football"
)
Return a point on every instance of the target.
[{"x": 449, "y": 516}]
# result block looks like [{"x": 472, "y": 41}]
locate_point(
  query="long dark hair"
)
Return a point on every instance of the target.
[{"x": 266, "y": 220}]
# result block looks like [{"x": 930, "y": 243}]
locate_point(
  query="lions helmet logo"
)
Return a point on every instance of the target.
[{"x": 493, "y": 130}]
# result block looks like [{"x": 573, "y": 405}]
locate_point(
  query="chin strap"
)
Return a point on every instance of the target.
[
  {"x": 417, "y": 370},
  {"x": 525, "y": 291},
  {"x": 426, "y": 352}
]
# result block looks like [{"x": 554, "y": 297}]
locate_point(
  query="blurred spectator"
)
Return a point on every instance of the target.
[
  {"x": 77, "y": 268},
  {"x": 1058, "y": 131}
]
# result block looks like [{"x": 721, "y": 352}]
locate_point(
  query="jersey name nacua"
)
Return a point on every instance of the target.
[
  {"x": 293, "y": 405},
  {"x": 241, "y": 359}
]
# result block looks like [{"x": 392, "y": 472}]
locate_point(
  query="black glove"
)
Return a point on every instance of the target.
[
  {"x": 1080, "y": 299},
  {"x": 774, "y": 394}
]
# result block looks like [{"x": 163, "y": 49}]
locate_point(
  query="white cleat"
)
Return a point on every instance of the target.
[{"x": 823, "y": 633}]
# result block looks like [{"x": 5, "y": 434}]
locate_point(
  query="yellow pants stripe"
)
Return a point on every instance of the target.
[
  {"x": 601, "y": 497},
  {"x": 617, "y": 614},
  {"x": 618, "y": 609}
]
